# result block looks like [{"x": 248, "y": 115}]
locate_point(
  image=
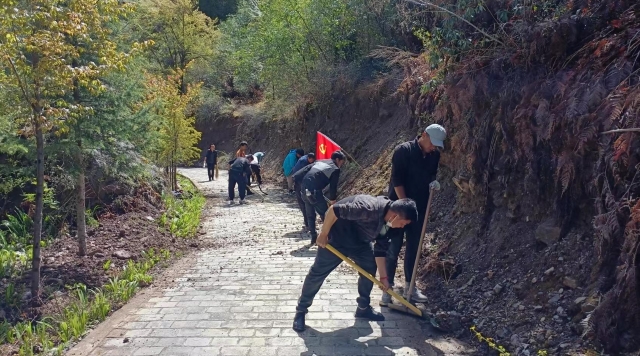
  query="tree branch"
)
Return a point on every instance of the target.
[
  {"x": 427, "y": 3},
  {"x": 620, "y": 131}
]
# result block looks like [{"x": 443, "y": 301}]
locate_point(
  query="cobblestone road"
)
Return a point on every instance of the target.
[{"x": 239, "y": 299}]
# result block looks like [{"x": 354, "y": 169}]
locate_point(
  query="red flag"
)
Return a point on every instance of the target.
[{"x": 325, "y": 146}]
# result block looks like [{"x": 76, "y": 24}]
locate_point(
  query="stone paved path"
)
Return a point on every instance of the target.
[{"x": 240, "y": 299}]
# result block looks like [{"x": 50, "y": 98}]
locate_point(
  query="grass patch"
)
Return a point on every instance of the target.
[
  {"x": 183, "y": 210},
  {"x": 88, "y": 308}
]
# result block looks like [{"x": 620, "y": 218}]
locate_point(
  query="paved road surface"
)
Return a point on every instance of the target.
[{"x": 239, "y": 299}]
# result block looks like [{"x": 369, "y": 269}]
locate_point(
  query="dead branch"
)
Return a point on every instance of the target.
[
  {"x": 427, "y": 3},
  {"x": 620, "y": 131}
]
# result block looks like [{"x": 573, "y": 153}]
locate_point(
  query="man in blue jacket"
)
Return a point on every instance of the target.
[
  {"x": 304, "y": 161},
  {"x": 288, "y": 164}
]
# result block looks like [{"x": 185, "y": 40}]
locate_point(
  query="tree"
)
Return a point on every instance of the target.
[
  {"x": 182, "y": 34},
  {"x": 176, "y": 124},
  {"x": 38, "y": 51}
]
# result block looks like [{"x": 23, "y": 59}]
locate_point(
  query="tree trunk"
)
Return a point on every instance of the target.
[
  {"x": 37, "y": 220},
  {"x": 80, "y": 205}
]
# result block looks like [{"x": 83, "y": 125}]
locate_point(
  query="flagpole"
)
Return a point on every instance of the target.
[
  {"x": 353, "y": 159},
  {"x": 341, "y": 149}
]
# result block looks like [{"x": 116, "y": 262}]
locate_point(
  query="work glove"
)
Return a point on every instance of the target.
[{"x": 435, "y": 185}]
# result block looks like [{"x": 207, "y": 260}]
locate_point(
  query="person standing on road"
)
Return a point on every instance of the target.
[
  {"x": 242, "y": 149},
  {"x": 414, "y": 166},
  {"x": 239, "y": 172},
  {"x": 287, "y": 166},
  {"x": 303, "y": 162},
  {"x": 322, "y": 173},
  {"x": 357, "y": 227},
  {"x": 211, "y": 161}
]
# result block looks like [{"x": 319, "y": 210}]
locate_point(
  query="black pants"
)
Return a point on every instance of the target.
[
  {"x": 326, "y": 262},
  {"x": 256, "y": 176},
  {"x": 412, "y": 234},
  {"x": 241, "y": 181},
  {"x": 298, "y": 189},
  {"x": 312, "y": 204},
  {"x": 210, "y": 170}
]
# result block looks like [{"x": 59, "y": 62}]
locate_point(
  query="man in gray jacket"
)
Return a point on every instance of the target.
[
  {"x": 357, "y": 227},
  {"x": 314, "y": 178}
]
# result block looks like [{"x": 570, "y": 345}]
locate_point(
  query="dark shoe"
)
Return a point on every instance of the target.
[
  {"x": 298, "y": 322},
  {"x": 369, "y": 313}
]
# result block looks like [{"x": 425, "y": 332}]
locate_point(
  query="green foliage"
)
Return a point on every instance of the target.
[
  {"x": 182, "y": 215},
  {"x": 87, "y": 308},
  {"x": 18, "y": 230},
  {"x": 183, "y": 35},
  {"x": 121, "y": 290},
  {"x": 107, "y": 265},
  {"x": 290, "y": 46}
]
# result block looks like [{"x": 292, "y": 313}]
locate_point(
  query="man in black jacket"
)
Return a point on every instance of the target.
[
  {"x": 316, "y": 178},
  {"x": 239, "y": 173},
  {"x": 211, "y": 160},
  {"x": 413, "y": 173},
  {"x": 351, "y": 225}
]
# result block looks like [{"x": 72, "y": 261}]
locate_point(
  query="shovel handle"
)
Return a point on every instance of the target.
[{"x": 374, "y": 280}]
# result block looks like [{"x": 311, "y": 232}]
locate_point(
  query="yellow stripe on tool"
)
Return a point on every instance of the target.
[{"x": 374, "y": 280}]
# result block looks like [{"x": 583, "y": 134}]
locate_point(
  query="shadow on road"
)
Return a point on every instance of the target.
[
  {"x": 304, "y": 251},
  {"x": 358, "y": 339}
]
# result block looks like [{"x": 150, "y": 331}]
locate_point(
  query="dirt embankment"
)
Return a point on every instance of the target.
[{"x": 533, "y": 238}]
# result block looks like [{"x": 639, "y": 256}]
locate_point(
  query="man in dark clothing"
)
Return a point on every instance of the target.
[
  {"x": 211, "y": 160},
  {"x": 413, "y": 173},
  {"x": 304, "y": 161},
  {"x": 319, "y": 175},
  {"x": 357, "y": 227},
  {"x": 239, "y": 172}
]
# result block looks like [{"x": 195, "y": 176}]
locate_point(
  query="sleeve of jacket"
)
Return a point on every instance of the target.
[
  {"x": 299, "y": 175},
  {"x": 232, "y": 161},
  {"x": 333, "y": 184},
  {"x": 435, "y": 167},
  {"x": 355, "y": 210},
  {"x": 215, "y": 157},
  {"x": 399, "y": 166},
  {"x": 247, "y": 169},
  {"x": 380, "y": 246}
]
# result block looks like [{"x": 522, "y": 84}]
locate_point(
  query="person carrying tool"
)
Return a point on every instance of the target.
[
  {"x": 288, "y": 164},
  {"x": 255, "y": 170},
  {"x": 239, "y": 172},
  {"x": 320, "y": 174},
  {"x": 304, "y": 161},
  {"x": 211, "y": 161},
  {"x": 356, "y": 226},
  {"x": 413, "y": 173}
]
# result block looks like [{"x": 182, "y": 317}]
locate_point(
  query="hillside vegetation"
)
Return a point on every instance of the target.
[{"x": 540, "y": 100}]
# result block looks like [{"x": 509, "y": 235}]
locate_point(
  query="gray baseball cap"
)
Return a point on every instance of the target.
[{"x": 437, "y": 134}]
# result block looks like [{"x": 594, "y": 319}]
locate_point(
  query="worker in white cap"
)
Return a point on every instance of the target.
[{"x": 413, "y": 174}]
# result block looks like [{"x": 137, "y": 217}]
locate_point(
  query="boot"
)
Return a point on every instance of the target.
[
  {"x": 298, "y": 322},
  {"x": 368, "y": 313}
]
